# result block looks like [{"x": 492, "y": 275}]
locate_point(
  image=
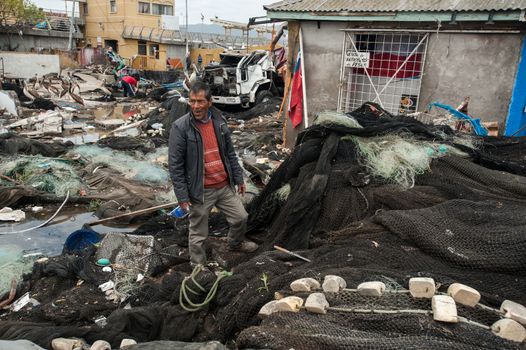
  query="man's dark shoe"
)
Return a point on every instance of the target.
[{"x": 245, "y": 247}]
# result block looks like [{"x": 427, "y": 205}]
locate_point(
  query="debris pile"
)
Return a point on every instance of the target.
[{"x": 392, "y": 234}]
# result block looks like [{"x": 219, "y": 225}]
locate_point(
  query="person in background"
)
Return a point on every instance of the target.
[
  {"x": 199, "y": 61},
  {"x": 205, "y": 170},
  {"x": 130, "y": 84}
]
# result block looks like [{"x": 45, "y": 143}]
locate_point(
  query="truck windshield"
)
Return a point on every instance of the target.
[{"x": 230, "y": 60}]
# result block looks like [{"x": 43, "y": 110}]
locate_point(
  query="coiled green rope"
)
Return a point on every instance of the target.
[{"x": 185, "y": 301}]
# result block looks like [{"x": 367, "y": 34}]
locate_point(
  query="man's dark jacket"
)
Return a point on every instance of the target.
[{"x": 186, "y": 158}]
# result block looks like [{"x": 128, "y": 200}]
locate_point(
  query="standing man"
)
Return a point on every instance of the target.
[{"x": 204, "y": 169}]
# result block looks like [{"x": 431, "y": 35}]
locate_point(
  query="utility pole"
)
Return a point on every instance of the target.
[
  {"x": 186, "y": 24},
  {"x": 72, "y": 27}
]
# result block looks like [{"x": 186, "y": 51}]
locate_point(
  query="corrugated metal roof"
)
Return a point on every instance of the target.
[{"x": 395, "y": 5}]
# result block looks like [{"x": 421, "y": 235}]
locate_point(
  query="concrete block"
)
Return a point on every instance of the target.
[
  {"x": 268, "y": 309},
  {"x": 126, "y": 342},
  {"x": 514, "y": 310},
  {"x": 66, "y": 343},
  {"x": 422, "y": 287},
  {"x": 509, "y": 329},
  {"x": 444, "y": 309},
  {"x": 304, "y": 285},
  {"x": 463, "y": 294},
  {"x": 333, "y": 283},
  {"x": 317, "y": 303},
  {"x": 374, "y": 288},
  {"x": 289, "y": 304},
  {"x": 100, "y": 345}
]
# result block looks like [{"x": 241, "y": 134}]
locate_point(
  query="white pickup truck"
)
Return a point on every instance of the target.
[{"x": 243, "y": 79}]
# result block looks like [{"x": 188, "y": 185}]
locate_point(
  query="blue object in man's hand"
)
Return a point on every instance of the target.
[{"x": 178, "y": 212}]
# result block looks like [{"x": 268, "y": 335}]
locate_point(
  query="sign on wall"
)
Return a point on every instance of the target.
[{"x": 356, "y": 59}]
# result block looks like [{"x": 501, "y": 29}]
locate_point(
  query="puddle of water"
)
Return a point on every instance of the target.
[
  {"x": 119, "y": 111},
  {"x": 49, "y": 239},
  {"x": 93, "y": 134},
  {"x": 18, "y": 251}
]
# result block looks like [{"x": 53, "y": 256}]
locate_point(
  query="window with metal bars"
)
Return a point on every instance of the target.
[{"x": 382, "y": 67}]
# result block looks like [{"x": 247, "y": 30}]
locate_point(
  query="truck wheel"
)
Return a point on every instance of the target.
[{"x": 263, "y": 96}]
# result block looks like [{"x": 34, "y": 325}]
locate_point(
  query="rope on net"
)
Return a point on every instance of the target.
[{"x": 186, "y": 303}]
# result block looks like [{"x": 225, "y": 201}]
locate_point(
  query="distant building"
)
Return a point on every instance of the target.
[
  {"x": 409, "y": 53},
  {"x": 47, "y": 36},
  {"x": 132, "y": 28}
]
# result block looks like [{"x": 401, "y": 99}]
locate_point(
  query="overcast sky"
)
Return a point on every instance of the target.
[{"x": 233, "y": 10}]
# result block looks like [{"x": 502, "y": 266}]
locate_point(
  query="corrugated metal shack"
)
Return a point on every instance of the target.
[{"x": 409, "y": 53}]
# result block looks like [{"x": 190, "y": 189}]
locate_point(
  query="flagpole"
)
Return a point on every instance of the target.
[{"x": 303, "y": 83}]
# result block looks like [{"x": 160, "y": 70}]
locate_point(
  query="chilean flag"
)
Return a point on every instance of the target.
[{"x": 296, "y": 95}]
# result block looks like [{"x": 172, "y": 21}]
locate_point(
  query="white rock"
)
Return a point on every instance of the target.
[
  {"x": 8, "y": 214},
  {"x": 42, "y": 260},
  {"x": 268, "y": 309},
  {"x": 304, "y": 285},
  {"x": 317, "y": 303},
  {"x": 333, "y": 283},
  {"x": 509, "y": 329},
  {"x": 66, "y": 344},
  {"x": 444, "y": 308},
  {"x": 463, "y": 294},
  {"x": 374, "y": 288},
  {"x": 126, "y": 342},
  {"x": 514, "y": 310},
  {"x": 422, "y": 287},
  {"x": 100, "y": 345},
  {"x": 289, "y": 304},
  {"x": 107, "y": 286}
]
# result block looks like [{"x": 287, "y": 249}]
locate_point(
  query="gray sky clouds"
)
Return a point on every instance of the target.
[{"x": 233, "y": 10}]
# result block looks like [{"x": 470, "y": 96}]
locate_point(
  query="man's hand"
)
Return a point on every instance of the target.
[
  {"x": 241, "y": 189},
  {"x": 185, "y": 205}
]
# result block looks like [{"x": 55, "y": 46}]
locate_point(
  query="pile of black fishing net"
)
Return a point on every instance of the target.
[
  {"x": 461, "y": 221},
  {"x": 11, "y": 143}
]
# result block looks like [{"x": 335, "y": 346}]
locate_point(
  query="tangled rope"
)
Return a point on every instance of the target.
[{"x": 183, "y": 295}]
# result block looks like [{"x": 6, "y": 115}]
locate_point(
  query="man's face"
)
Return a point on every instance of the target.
[{"x": 199, "y": 105}]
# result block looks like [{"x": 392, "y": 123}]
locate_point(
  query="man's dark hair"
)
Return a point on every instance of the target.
[
  {"x": 201, "y": 86},
  {"x": 136, "y": 76}
]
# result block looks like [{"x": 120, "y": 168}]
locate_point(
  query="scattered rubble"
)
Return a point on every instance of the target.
[{"x": 406, "y": 211}]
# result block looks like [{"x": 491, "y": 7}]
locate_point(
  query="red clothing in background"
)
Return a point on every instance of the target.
[{"x": 130, "y": 80}]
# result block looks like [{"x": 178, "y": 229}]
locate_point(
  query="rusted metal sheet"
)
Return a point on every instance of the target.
[{"x": 395, "y": 5}]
